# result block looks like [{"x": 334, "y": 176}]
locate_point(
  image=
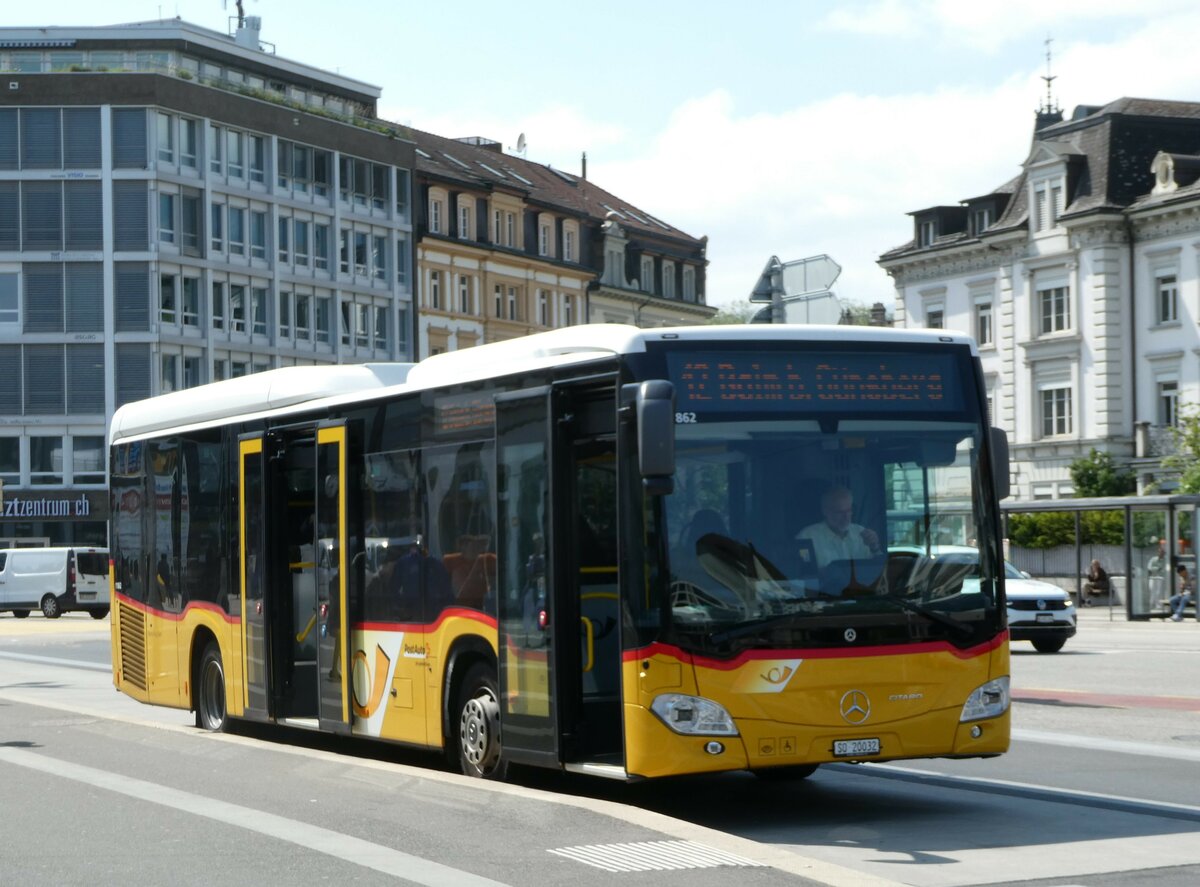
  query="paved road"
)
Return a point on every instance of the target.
[{"x": 1098, "y": 789}]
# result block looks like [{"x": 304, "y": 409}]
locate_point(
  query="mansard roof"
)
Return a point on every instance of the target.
[{"x": 481, "y": 164}]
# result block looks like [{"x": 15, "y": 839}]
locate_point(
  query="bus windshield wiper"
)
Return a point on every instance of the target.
[
  {"x": 753, "y": 627},
  {"x": 932, "y": 615}
]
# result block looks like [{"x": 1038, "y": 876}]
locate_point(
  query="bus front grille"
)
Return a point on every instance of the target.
[{"x": 133, "y": 646}]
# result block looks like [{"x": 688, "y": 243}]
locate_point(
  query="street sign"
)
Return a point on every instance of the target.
[{"x": 798, "y": 291}]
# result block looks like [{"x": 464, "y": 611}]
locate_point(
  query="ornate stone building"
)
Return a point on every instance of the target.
[{"x": 1080, "y": 279}]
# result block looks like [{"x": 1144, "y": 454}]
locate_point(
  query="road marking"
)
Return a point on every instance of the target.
[
  {"x": 54, "y": 660},
  {"x": 1111, "y": 700},
  {"x": 355, "y": 850},
  {"x": 1098, "y": 743},
  {"x": 1118, "y": 803},
  {"x": 652, "y": 856}
]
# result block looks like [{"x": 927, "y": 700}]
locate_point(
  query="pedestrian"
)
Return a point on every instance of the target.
[
  {"x": 1095, "y": 583},
  {"x": 1183, "y": 593}
]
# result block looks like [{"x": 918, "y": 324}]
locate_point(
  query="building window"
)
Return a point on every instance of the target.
[
  {"x": 568, "y": 246},
  {"x": 193, "y": 373},
  {"x": 285, "y": 315},
  {"x": 360, "y": 253},
  {"x": 258, "y": 310},
  {"x": 166, "y": 218},
  {"x": 217, "y": 227},
  {"x": 235, "y": 160},
  {"x": 379, "y": 257},
  {"x": 668, "y": 280},
  {"x": 498, "y": 295},
  {"x": 10, "y": 301},
  {"x": 1056, "y": 411},
  {"x": 303, "y": 316},
  {"x": 935, "y": 317},
  {"x": 510, "y": 229},
  {"x": 1048, "y": 204},
  {"x": 435, "y": 289},
  {"x": 435, "y": 216},
  {"x": 166, "y": 138},
  {"x": 543, "y": 308},
  {"x": 362, "y": 331},
  {"x": 168, "y": 378},
  {"x": 379, "y": 328},
  {"x": 464, "y": 220},
  {"x": 981, "y": 219},
  {"x": 45, "y": 460},
  {"x": 285, "y": 239},
  {"x": 926, "y": 232},
  {"x": 402, "y": 263},
  {"x": 344, "y": 251},
  {"x": 258, "y": 159},
  {"x": 191, "y": 301},
  {"x": 10, "y": 460},
  {"x": 497, "y": 227},
  {"x": 258, "y": 235},
  {"x": 647, "y": 275},
  {"x": 300, "y": 242},
  {"x": 983, "y": 323},
  {"x": 322, "y": 318},
  {"x": 689, "y": 283},
  {"x": 1168, "y": 403},
  {"x": 1167, "y": 288},
  {"x": 512, "y": 303},
  {"x": 237, "y": 232},
  {"x": 87, "y": 460},
  {"x": 168, "y": 304},
  {"x": 188, "y": 144},
  {"x": 237, "y": 308},
  {"x": 215, "y": 154},
  {"x": 1054, "y": 309},
  {"x": 543, "y": 239},
  {"x": 567, "y": 318},
  {"x": 321, "y": 247},
  {"x": 464, "y": 294},
  {"x": 218, "y": 305}
]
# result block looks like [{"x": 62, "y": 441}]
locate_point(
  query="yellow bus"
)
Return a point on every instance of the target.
[{"x": 600, "y": 549}]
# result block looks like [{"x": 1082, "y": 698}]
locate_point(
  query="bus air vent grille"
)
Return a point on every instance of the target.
[{"x": 133, "y": 646}]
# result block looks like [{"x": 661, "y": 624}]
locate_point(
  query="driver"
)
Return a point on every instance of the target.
[{"x": 837, "y": 537}]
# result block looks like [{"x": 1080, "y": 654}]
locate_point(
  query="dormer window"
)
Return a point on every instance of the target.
[
  {"x": 981, "y": 219},
  {"x": 1048, "y": 204},
  {"x": 926, "y": 232}
]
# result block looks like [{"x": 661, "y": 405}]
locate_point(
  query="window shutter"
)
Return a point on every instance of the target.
[
  {"x": 10, "y": 372},
  {"x": 85, "y": 297},
  {"x": 131, "y": 226},
  {"x": 42, "y": 211},
  {"x": 44, "y": 372},
  {"x": 84, "y": 215},
  {"x": 85, "y": 379},
  {"x": 43, "y": 299},
  {"x": 133, "y": 372},
  {"x": 81, "y": 138},
  {"x": 41, "y": 138},
  {"x": 129, "y": 138},
  {"x": 10, "y": 217},
  {"x": 9, "y": 153},
  {"x": 131, "y": 296}
]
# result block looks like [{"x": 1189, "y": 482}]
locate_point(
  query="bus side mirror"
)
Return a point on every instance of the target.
[
  {"x": 1000, "y": 467},
  {"x": 654, "y": 406}
]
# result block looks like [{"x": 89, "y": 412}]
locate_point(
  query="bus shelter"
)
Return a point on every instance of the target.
[{"x": 1138, "y": 540}]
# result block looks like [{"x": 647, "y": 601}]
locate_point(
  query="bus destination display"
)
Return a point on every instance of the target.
[{"x": 814, "y": 382}]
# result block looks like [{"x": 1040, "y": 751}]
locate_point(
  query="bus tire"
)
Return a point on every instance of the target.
[
  {"x": 210, "y": 691},
  {"x": 50, "y": 608},
  {"x": 21, "y": 614},
  {"x": 476, "y": 725},
  {"x": 793, "y": 772}
]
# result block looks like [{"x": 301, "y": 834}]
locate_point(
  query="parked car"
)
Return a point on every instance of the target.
[
  {"x": 54, "y": 580},
  {"x": 1038, "y": 612}
]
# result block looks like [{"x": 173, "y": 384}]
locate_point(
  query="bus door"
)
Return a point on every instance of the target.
[
  {"x": 559, "y": 629},
  {"x": 252, "y": 504},
  {"x": 308, "y": 521},
  {"x": 527, "y": 631}
]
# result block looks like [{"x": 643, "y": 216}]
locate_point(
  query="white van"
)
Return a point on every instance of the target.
[{"x": 54, "y": 580}]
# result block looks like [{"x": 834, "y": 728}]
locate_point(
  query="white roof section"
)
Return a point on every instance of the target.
[
  {"x": 291, "y": 389},
  {"x": 178, "y": 29},
  {"x": 272, "y": 390}
]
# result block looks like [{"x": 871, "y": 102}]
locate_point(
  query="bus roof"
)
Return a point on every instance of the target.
[{"x": 294, "y": 387}]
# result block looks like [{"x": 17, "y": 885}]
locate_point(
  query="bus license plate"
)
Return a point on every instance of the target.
[{"x": 845, "y": 748}]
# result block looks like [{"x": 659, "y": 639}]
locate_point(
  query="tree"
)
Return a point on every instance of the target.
[
  {"x": 1097, "y": 474},
  {"x": 739, "y": 311},
  {"x": 1185, "y": 434}
]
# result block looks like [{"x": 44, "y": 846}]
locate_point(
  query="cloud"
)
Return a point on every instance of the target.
[{"x": 890, "y": 18}]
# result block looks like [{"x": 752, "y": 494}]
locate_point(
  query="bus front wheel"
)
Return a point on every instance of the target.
[
  {"x": 210, "y": 691},
  {"x": 477, "y": 725}
]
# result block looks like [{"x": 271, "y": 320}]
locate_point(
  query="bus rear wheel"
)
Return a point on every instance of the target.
[
  {"x": 477, "y": 725},
  {"x": 50, "y": 608},
  {"x": 210, "y": 691}
]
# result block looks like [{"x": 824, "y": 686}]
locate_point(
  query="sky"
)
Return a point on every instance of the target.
[{"x": 787, "y": 128}]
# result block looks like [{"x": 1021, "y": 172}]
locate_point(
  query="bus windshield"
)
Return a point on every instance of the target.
[{"x": 789, "y": 532}]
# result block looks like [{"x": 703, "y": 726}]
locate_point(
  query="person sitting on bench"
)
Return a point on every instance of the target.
[{"x": 1096, "y": 583}]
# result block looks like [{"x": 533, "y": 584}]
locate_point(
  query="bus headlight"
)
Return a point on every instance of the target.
[
  {"x": 988, "y": 701},
  {"x": 693, "y": 715}
]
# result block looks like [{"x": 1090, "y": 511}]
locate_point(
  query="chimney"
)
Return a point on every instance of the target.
[
  {"x": 878, "y": 315},
  {"x": 248, "y": 32},
  {"x": 583, "y": 164}
]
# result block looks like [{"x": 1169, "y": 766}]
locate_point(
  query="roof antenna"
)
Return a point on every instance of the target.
[{"x": 1049, "y": 107}]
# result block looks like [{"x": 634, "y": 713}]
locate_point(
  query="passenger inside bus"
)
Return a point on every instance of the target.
[{"x": 472, "y": 570}]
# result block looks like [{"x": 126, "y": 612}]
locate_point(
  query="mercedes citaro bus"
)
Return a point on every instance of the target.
[{"x": 579, "y": 549}]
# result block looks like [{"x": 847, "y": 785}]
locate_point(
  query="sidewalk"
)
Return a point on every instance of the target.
[{"x": 37, "y": 625}]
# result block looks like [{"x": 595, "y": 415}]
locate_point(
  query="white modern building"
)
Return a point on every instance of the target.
[{"x": 1080, "y": 279}]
